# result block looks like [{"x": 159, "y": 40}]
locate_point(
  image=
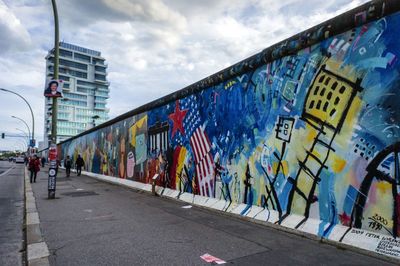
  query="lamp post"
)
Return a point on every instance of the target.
[
  {"x": 23, "y": 131},
  {"x": 23, "y": 121},
  {"x": 30, "y": 108}
]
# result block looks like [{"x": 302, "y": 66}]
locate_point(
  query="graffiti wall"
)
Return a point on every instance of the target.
[{"x": 313, "y": 133}]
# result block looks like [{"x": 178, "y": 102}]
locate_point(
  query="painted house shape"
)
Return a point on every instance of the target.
[
  {"x": 326, "y": 106},
  {"x": 158, "y": 137}
]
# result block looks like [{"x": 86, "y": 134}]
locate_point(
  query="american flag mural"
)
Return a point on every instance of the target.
[{"x": 200, "y": 146}]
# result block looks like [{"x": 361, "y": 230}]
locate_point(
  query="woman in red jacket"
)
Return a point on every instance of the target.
[{"x": 34, "y": 167}]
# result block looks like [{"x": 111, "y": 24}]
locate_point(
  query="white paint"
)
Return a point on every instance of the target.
[
  {"x": 292, "y": 221},
  {"x": 254, "y": 211},
  {"x": 32, "y": 218},
  {"x": 186, "y": 197},
  {"x": 6, "y": 172},
  {"x": 38, "y": 250},
  {"x": 238, "y": 209}
]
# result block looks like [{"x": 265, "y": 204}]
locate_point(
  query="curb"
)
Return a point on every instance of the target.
[
  {"x": 234, "y": 211},
  {"x": 37, "y": 252}
]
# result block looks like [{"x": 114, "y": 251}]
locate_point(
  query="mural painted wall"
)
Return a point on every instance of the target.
[{"x": 314, "y": 133}]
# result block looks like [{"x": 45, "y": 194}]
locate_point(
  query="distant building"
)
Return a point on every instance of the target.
[{"x": 85, "y": 91}]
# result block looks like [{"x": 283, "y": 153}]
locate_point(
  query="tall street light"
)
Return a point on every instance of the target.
[
  {"x": 30, "y": 108},
  {"x": 25, "y": 135},
  {"x": 24, "y": 132},
  {"x": 56, "y": 56},
  {"x": 23, "y": 121}
]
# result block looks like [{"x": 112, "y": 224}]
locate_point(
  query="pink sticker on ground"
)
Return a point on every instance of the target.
[{"x": 209, "y": 258}]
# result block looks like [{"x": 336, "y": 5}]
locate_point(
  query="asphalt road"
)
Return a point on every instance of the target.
[
  {"x": 11, "y": 213},
  {"x": 95, "y": 223}
]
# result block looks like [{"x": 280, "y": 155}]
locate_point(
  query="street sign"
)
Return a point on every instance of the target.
[{"x": 32, "y": 143}]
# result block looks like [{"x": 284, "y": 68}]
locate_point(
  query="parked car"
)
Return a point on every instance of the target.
[{"x": 20, "y": 159}]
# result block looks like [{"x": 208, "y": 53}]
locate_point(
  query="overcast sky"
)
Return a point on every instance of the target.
[{"x": 152, "y": 47}]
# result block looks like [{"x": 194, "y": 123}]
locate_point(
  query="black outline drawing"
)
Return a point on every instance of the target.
[
  {"x": 324, "y": 137},
  {"x": 357, "y": 217}
]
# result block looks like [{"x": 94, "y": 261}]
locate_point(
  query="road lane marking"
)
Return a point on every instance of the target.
[{"x": 7, "y": 171}]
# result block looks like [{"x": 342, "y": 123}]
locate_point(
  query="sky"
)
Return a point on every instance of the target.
[{"x": 152, "y": 47}]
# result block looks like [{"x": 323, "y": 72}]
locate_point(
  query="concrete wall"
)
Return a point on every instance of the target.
[{"x": 307, "y": 129}]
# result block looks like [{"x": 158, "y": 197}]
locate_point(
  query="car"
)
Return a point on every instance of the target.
[{"x": 19, "y": 160}]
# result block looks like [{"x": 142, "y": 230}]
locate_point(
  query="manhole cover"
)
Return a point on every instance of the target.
[{"x": 80, "y": 193}]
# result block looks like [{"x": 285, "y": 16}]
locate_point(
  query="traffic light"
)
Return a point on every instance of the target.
[{"x": 3, "y": 135}]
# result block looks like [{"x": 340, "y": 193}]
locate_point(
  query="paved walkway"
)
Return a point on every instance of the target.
[
  {"x": 11, "y": 213},
  {"x": 96, "y": 223}
]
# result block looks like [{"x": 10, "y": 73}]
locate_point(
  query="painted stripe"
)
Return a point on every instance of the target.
[
  {"x": 202, "y": 149},
  {"x": 6, "y": 172},
  {"x": 202, "y": 141},
  {"x": 194, "y": 150},
  {"x": 202, "y": 174},
  {"x": 205, "y": 140},
  {"x": 197, "y": 147}
]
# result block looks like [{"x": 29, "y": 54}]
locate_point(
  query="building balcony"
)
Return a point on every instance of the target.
[{"x": 104, "y": 82}]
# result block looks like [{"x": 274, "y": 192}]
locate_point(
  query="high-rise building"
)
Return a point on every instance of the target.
[{"x": 85, "y": 90}]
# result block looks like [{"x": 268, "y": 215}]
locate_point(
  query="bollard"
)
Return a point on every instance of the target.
[{"x": 153, "y": 184}]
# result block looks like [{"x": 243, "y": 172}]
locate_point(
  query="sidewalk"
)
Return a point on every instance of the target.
[{"x": 96, "y": 223}]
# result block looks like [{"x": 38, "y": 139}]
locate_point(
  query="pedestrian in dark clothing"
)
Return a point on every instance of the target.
[
  {"x": 68, "y": 165},
  {"x": 34, "y": 168},
  {"x": 43, "y": 161},
  {"x": 79, "y": 163},
  {"x": 58, "y": 163}
]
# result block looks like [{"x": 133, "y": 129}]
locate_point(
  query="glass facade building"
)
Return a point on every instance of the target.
[{"x": 85, "y": 90}]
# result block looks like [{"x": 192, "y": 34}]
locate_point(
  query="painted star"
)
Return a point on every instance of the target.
[{"x": 177, "y": 119}]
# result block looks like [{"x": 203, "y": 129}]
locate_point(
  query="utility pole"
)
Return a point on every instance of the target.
[
  {"x": 56, "y": 60},
  {"x": 51, "y": 185}
]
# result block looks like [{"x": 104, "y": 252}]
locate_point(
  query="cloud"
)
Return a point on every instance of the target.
[
  {"x": 152, "y": 47},
  {"x": 17, "y": 37}
]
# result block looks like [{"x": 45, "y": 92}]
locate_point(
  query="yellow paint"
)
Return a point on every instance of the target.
[
  {"x": 135, "y": 127},
  {"x": 312, "y": 134},
  {"x": 338, "y": 164},
  {"x": 284, "y": 167},
  {"x": 180, "y": 164},
  {"x": 384, "y": 187}
]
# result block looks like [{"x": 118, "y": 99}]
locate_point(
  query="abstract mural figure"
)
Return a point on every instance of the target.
[
  {"x": 284, "y": 129},
  {"x": 384, "y": 167},
  {"x": 325, "y": 109}
]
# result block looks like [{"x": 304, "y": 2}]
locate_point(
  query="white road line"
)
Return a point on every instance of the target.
[{"x": 7, "y": 171}]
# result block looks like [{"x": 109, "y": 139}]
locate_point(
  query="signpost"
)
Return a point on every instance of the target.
[{"x": 51, "y": 185}]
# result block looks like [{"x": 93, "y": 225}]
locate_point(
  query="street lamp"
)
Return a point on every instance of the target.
[
  {"x": 23, "y": 121},
  {"x": 23, "y": 131},
  {"x": 30, "y": 108}
]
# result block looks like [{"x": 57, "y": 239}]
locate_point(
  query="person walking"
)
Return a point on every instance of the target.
[
  {"x": 79, "y": 163},
  {"x": 67, "y": 165},
  {"x": 43, "y": 161},
  {"x": 34, "y": 168}
]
